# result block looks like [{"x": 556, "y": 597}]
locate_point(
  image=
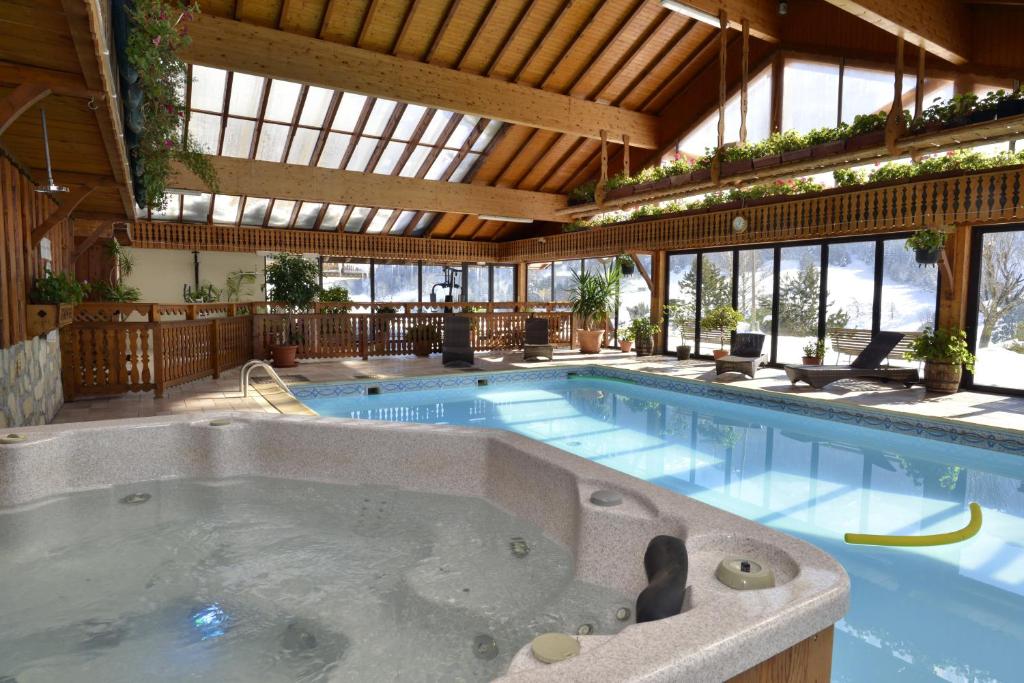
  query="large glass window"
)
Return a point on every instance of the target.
[
  {"x": 715, "y": 292},
  {"x": 563, "y": 279},
  {"x": 851, "y": 287},
  {"x": 504, "y": 283},
  {"x": 754, "y": 291},
  {"x": 999, "y": 328},
  {"x": 799, "y": 294},
  {"x": 810, "y": 96},
  {"x": 866, "y": 91},
  {"x": 538, "y": 282},
  {"x": 759, "y": 105},
  {"x": 434, "y": 280},
  {"x": 396, "y": 282},
  {"x": 682, "y": 293},
  {"x": 908, "y": 294},
  {"x": 479, "y": 287},
  {"x": 353, "y": 276},
  {"x": 635, "y": 295}
]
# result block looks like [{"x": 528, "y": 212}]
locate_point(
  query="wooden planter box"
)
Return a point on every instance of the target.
[
  {"x": 827, "y": 149},
  {"x": 768, "y": 161},
  {"x": 875, "y": 138},
  {"x": 619, "y": 192},
  {"x": 796, "y": 155},
  {"x": 701, "y": 175},
  {"x": 734, "y": 167},
  {"x": 679, "y": 180},
  {"x": 41, "y": 318}
]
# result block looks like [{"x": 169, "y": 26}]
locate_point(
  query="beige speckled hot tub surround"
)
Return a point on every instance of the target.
[{"x": 721, "y": 632}]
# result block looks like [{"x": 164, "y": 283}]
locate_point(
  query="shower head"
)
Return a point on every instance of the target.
[{"x": 50, "y": 187}]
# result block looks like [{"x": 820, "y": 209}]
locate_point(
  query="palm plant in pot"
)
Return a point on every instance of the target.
[
  {"x": 724, "y": 319},
  {"x": 423, "y": 338},
  {"x": 814, "y": 352},
  {"x": 927, "y": 245},
  {"x": 294, "y": 282},
  {"x": 644, "y": 329},
  {"x": 592, "y": 297},
  {"x": 945, "y": 354}
]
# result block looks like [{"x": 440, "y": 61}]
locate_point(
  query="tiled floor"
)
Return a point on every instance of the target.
[{"x": 210, "y": 395}]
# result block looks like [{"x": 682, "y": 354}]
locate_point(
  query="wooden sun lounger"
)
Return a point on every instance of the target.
[{"x": 868, "y": 365}]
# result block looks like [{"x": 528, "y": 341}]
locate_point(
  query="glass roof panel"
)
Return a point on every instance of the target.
[
  {"x": 315, "y": 108},
  {"x": 361, "y": 155},
  {"x": 171, "y": 210},
  {"x": 437, "y": 124},
  {"x": 379, "y": 116},
  {"x": 205, "y": 128},
  {"x": 281, "y": 103},
  {"x": 348, "y": 112},
  {"x": 332, "y": 216},
  {"x": 255, "y": 210},
  {"x": 390, "y": 157},
  {"x": 464, "y": 167},
  {"x": 411, "y": 118},
  {"x": 486, "y": 136},
  {"x": 423, "y": 223},
  {"x": 462, "y": 132},
  {"x": 238, "y": 137},
  {"x": 225, "y": 208},
  {"x": 415, "y": 162},
  {"x": 308, "y": 212},
  {"x": 356, "y": 218},
  {"x": 303, "y": 143},
  {"x": 334, "y": 150},
  {"x": 402, "y": 222},
  {"x": 380, "y": 219},
  {"x": 246, "y": 93},
  {"x": 440, "y": 164},
  {"x": 196, "y": 208},
  {"x": 208, "y": 88},
  {"x": 281, "y": 214},
  {"x": 273, "y": 139}
]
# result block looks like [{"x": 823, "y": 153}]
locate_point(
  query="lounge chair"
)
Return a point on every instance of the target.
[
  {"x": 744, "y": 356},
  {"x": 537, "y": 346},
  {"x": 456, "y": 349},
  {"x": 867, "y": 364}
]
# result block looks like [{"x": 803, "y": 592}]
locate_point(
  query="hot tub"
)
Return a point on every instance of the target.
[{"x": 341, "y": 549}]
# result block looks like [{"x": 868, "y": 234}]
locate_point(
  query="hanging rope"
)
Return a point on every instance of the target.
[
  {"x": 744, "y": 81},
  {"x": 600, "y": 190},
  {"x": 894, "y": 122}
]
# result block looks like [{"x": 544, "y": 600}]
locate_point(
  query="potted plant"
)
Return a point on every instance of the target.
[
  {"x": 724, "y": 319},
  {"x": 332, "y": 295},
  {"x": 626, "y": 265},
  {"x": 945, "y": 354},
  {"x": 867, "y": 130},
  {"x": 626, "y": 339},
  {"x": 53, "y": 297},
  {"x": 591, "y": 297},
  {"x": 826, "y": 142},
  {"x": 1011, "y": 104},
  {"x": 423, "y": 338},
  {"x": 680, "y": 316},
  {"x": 643, "y": 330},
  {"x": 927, "y": 245},
  {"x": 814, "y": 352},
  {"x": 294, "y": 282}
]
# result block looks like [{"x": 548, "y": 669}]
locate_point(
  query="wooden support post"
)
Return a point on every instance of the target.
[
  {"x": 919, "y": 85},
  {"x": 599, "y": 191},
  {"x": 723, "y": 46},
  {"x": 894, "y": 122},
  {"x": 521, "y": 275},
  {"x": 158, "y": 359},
  {"x": 363, "y": 331},
  {"x": 659, "y": 261},
  {"x": 778, "y": 67},
  {"x": 19, "y": 101},
  {"x": 190, "y": 312},
  {"x": 625, "y": 155},
  {"x": 89, "y": 241},
  {"x": 744, "y": 79},
  {"x": 953, "y": 276}
]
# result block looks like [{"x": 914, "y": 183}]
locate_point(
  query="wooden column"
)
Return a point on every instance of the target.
[
  {"x": 744, "y": 78},
  {"x": 659, "y": 262},
  {"x": 625, "y": 155},
  {"x": 894, "y": 122},
  {"x": 953, "y": 292},
  {"x": 723, "y": 46},
  {"x": 521, "y": 273},
  {"x": 919, "y": 86},
  {"x": 778, "y": 67}
]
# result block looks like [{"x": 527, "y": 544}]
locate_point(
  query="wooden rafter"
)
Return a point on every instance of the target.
[
  {"x": 101, "y": 228},
  {"x": 20, "y": 100},
  {"x": 942, "y": 26}
]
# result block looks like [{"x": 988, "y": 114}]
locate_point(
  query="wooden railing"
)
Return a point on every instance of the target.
[{"x": 114, "y": 349}]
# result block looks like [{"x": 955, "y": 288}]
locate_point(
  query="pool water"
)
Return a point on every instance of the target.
[
  {"x": 257, "y": 579},
  {"x": 953, "y": 613}
]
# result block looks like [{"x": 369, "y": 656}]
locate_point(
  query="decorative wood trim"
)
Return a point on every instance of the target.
[
  {"x": 20, "y": 100},
  {"x": 942, "y": 26},
  {"x": 90, "y": 240}
]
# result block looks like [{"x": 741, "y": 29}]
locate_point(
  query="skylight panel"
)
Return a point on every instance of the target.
[
  {"x": 361, "y": 155},
  {"x": 196, "y": 208},
  {"x": 348, "y": 112},
  {"x": 356, "y": 218},
  {"x": 436, "y": 126},
  {"x": 208, "y": 88},
  {"x": 273, "y": 138},
  {"x": 255, "y": 210},
  {"x": 423, "y": 223},
  {"x": 379, "y": 116},
  {"x": 411, "y": 118},
  {"x": 246, "y": 93},
  {"x": 334, "y": 150},
  {"x": 402, "y": 222},
  {"x": 281, "y": 103},
  {"x": 306, "y": 218},
  {"x": 464, "y": 167},
  {"x": 281, "y": 214},
  {"x": 390, "y": 157},
  {"x": 205, "y": 128},
  {"x": 486, "y": 136},
  {"x": 462, "y": 132},
  {"x": 171, "y": 210},
  {"x": 332, "y": 216},
  {"x": 380, "y": 219},
  {"x": 225, "y": 208},
  {"x": 440, "y": 164},
  {"x": 303, "y": 143},
  {"x": 238, "y": 137},
  {"x": 314, "y": 111},
  {"x": 414, "y": 162}
]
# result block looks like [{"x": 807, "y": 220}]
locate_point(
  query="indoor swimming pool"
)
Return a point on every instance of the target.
[{"x": 947, "y": 613}]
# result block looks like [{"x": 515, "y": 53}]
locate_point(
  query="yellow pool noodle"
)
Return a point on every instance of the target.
[{"x": 968, "y": 531}]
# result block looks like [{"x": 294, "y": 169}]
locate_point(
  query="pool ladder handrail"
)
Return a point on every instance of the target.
[{"x": 243, "y": 382}]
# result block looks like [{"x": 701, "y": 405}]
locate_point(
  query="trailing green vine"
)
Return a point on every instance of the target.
[{"x": 159, "y": 30}]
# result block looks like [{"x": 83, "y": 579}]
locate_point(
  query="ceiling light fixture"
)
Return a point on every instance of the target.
[
  {"x": 506, "y": 219},
  {"x": 50, "y": 187},
  {"x": 691, "y": 12},
  {"x": 190, "y": 193}
]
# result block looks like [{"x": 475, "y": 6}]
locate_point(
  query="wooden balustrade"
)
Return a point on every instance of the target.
[{"x": 113, "y": 349}]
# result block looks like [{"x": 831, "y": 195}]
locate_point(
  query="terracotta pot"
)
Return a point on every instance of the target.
[
  {"x": 720, "y": 353},
  {"x": 590, "y": 340},
  {"x": 942, "y": 378},
  {"x": 811, "y": 360},
  {"x": 284, "y": 355},
  {"x": 645, "y": 346},
  {"x": 625, "y": 345},
  {"x": 421, "y": 347},
  {"x": 683, "y": 352},
  {"x": 660, "y": 184}
]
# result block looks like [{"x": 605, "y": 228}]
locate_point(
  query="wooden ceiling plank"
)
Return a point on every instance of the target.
[
  {"x": 60, "y": 82},
  {"x": 943, "y": 26},
  {"x": 234, "y": 45},
  {"x": 514, "y": 33},
  {"x": 308, "y": 183}
]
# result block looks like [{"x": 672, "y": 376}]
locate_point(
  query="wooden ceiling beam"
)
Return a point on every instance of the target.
[
  {"x": 233, "y": 45},
  {"x": 309, "y": 183},
  {"x": 765, "y": 22},
  {"x": 60, "y": 82},
  {"x": 943, "y": 26}
]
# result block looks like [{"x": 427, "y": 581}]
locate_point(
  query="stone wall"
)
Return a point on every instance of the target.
[{"x": 30, "y": 387}]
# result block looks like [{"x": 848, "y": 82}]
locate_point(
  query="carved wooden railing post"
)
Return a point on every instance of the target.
[
  {"x": 215, "y": 347},
  {"x": 158, "y": 359}
]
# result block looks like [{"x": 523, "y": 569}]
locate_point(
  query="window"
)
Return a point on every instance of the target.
[
  {"x": 538, "y": 282},
  {"x": 759, "y": 104},
  {"x": 799, "y": 295},
  {"x": 396, "y": 282},
  {"x": 715, "y": 292},
  {"x": 478, "y": 283},
  {"x": 866, "y": 91},
  {"x": 353, "y": 276},
  {"x": 908, "y": 293},
  {"x": 634, "y": 294},
  {"x": 998, "y": 324},
  {"x": 754, "y": 291},
  {"x": 682, "y": 288},
  {"x": 851, "y": 286},
  {"x": 504, "y": 283},
  {"x": 810, "y": 96},
  {"x": 433, "y": 283}
]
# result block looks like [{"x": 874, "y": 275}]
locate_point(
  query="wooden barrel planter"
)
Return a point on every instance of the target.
[
  {"x": 942, "y": 378},
  {"x": 644, "y": 346}
]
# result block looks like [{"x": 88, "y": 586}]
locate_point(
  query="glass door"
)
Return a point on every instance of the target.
[{"x": 996, "y": 322}]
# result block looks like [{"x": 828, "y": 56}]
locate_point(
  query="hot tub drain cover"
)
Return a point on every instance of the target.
[
  {"x": 135, "y": 498},
  {"x": 485, "y": 647},
  {"x": 519, "y": 547}
]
